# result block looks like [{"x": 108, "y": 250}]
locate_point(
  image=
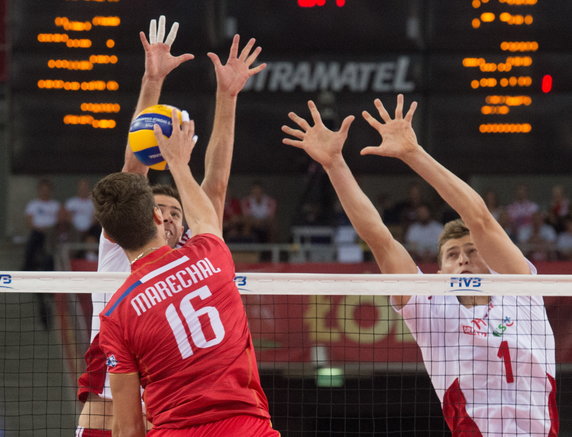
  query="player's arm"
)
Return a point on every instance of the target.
[
  {"x": 158, "y": 64},
  {"x": 325, "y": 147},
  {"x": 399, "y": 141},
  {"x": 231, "y": 78},
  {"x": 127, "y": 410},
  {"x": 199, "y": 210}
]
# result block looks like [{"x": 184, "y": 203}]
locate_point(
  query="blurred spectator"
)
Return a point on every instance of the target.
[
  {"x": 406, "y": 210},
  {"x": 521, "y": 210},
  {"x": 259, "y": 210},
  {"x": 559, "y": 208},
  {"x": 80, "y": 209},
  {"x": 387, "y": 209},
  {"x": 564, "y": 240},
  {"x": 422, "y": 234},
  {"x": 492, "y": 202},
  {"x": 235, "y": 227},
  {"x": 537, "y": 238},
  {"x": 90, "y": 254},
  {"x": 504, "y": 221},
  {"x": 41, "y": 217}
]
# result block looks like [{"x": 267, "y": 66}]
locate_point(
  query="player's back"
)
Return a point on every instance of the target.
[{"x": 184, "y": 329}]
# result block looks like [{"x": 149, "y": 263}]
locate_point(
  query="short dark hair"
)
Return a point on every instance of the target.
[
  {"x": 452, "y": 230},
  {"x": 124, "y": 206},
  {"x": 166, "y": 190}
]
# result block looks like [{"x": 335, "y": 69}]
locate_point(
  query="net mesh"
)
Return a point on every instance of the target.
[{"x": 331, "y": 364}]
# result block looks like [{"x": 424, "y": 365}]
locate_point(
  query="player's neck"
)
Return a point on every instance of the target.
[{"x": 151, "y": 246}]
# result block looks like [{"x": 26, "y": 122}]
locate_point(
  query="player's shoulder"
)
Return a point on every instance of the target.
[{"x": 206, "y": 242}]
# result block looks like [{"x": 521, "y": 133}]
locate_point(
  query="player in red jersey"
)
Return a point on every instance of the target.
[
  {"x": 177, "y": 327},
  {"x": 95, "y": 419}
]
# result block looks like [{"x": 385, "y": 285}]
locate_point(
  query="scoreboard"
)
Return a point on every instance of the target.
[{"x": 493, "y": 77}]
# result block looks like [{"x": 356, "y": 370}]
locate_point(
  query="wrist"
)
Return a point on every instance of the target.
[
  {"x": 336, "y": 162},
  {"x": 225, "y": 96},
  {"x": 413, "y": 154},
  {"x": 152, "y": 80}
]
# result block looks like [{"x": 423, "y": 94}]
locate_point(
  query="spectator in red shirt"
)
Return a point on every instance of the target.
[{"x": 259, "y": 210}]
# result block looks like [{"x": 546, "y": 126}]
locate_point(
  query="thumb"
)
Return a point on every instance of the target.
[
  {"x": 215, "y": 59},
  {"x": 158, "y": 134},
  {"x": 184, "y": 58},
  {"x": 346, "y": 124},
  {"x": 371, "y": 150}
]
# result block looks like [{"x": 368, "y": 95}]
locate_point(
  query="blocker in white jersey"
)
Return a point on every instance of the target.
[{"x": 492, "y": 366}]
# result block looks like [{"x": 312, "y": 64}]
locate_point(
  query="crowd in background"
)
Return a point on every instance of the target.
[{"x": 543, "y": 231}]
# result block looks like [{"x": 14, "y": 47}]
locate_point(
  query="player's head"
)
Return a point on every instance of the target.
[
  {"x": 125, "y": 208},
  {"x": 457, "y": 251},
  {"x": 168, "y": 200}
]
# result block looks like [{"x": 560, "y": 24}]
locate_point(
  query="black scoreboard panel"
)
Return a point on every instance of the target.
[
  {"x": 493, "y": 79},
  {"x": 360, "y": 26}
]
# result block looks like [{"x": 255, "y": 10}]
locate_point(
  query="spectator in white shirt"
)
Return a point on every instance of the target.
[
  {"x": 422, "y": 234},
  {"x": 79, "y": 208},
  {"x": 41, "y": 217}
]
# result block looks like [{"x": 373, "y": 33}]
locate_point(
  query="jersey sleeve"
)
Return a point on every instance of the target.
[
  {"x": 112, "y": 341},
  {"x": 208, "y": 243}
]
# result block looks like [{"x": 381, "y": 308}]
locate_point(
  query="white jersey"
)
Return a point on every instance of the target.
[{"x": 492, "y": 366}]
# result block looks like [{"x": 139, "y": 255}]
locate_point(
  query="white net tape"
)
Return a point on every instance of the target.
[{"x": 312, "y": 283}]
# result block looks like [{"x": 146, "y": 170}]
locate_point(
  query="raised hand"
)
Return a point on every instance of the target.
[
  {"x": 319, "y": 142},
  {"x": 232, "y": 76},
  {"x": 158, "y": 59},
  {"x": 178, "y": 147},
  {"x": 398, "y": 136}
]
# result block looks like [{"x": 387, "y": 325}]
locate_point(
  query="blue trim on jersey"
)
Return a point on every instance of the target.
[{"x": 123, "y": 296}]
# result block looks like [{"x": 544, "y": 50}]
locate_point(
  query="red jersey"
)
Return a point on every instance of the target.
[{"x": 180, "y": 323}]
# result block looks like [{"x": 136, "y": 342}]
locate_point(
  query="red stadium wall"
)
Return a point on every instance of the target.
[{"x": 352, "y": 329}]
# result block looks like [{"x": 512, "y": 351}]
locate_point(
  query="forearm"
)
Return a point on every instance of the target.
[
  {"x": 389, "y": 254},
  {"x": 120, "y": 430},
  {"x": 218, "y": 157},
  {"x": 199, "y": 211},
  {"x": 456, "y": 192},
  {"x": 148, "y": 96}
]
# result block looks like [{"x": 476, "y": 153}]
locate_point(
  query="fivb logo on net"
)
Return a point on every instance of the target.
[
  {"x": 465, "y": 283},
  {"x": 5, "y": 280}
]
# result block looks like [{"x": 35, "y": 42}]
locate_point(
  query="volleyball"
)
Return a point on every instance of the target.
[{"x": 142, "y": 138}]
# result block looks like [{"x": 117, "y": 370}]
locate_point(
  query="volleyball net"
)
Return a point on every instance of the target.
[{"x": 335, "y": 358}]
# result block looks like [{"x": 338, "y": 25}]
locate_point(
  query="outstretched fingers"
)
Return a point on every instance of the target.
[
  {"x": 299, "y": 121},
  {"x": 373, "y": 122},
  {"x": 294, "y": 143},
  {"x": 161, "y": 29},
  {"x": 316, "y": 117},
  {"x": 214, "y": 59},
  {"x": 246, "y": 50},
  {"x": 409, "y": 115},
  {"x": 294, "y": 132},
  {"x": 382, "y": 111},
  {"x": 144, "y": 41},
  {"x": 345, "y": 127},
  {"x": 172, "y": 34},
  {"x": 399, "y": 107},
  {"x": 153, "y": 31},
  {"x": 234, "y": 47},
  {"x": 252, "y": 57}
]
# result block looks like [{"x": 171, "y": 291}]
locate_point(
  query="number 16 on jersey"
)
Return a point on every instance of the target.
[{"x": 191, "y": 317}]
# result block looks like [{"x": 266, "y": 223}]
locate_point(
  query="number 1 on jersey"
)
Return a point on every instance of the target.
[
  {"x": 504, "y": 354},
  {"x": 193, "y": 323}
]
